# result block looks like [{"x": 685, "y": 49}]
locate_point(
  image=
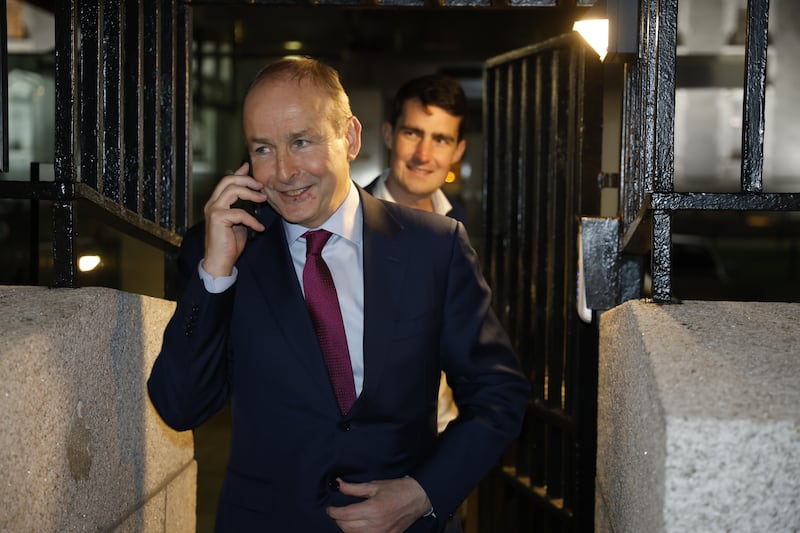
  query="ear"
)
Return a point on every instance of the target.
[
  {"x": 459, "y": 153},
  {"x": 387, "y": 131},
  {"x": 353, "y": 137}
]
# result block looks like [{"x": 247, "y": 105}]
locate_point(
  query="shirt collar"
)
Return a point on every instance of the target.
[
  {"x": 345, "y": 222},
  {"x": 441, "y": 205}
]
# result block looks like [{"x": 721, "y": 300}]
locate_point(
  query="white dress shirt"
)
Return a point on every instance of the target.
[{"x": 441, "y": 205}]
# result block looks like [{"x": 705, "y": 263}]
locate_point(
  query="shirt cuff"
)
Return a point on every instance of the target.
[{"x": 219, "y": 284}]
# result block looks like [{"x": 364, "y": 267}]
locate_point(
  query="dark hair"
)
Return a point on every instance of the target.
[
  {"x": 434, "y": 89},
  {"x": 308, "y": 69}
]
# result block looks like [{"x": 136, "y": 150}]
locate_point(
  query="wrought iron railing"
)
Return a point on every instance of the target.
[
  {"x": 122, "y": 124},
  {"x": 648, "y": 197}
]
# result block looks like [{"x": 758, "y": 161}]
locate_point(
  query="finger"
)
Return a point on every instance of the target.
[
  {"x": 349, "y": 513},
  {"x": 243, "y": 170},
  {"x": 231, "y": 182},
  {"x": 353, "y": 526},
  {"x": 232, "y": 188},
  {"x": 361, "y": 490}
]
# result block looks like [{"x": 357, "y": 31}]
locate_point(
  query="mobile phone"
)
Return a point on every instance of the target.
[{"x": 248, "y": 205}]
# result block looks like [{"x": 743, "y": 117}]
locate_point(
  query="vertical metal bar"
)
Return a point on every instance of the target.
[
  {"x": 755, "y": 86},
  {"x": 166, "y": 112},
  {"x": 90, "y": 120},
  {"x": 112, "y": 97},
  {"x": 510, "y": 205},
  {"x": 149, "y": 88},
  {"x": 183, "y": 118},
  {"x": 665, "y": 96},
  {"x": 648, "y": 91},
  {"x": 132, "y": 79},
  {"x": 522, "y": 276},
  {"x": 555, "y": 236},
  {"x": 33, "y": 230},
  {"x": 538, "y": 373},
  {"x": 4, "y": 162},
  {"x": 489, "y": 172},
  {"x": 572, "y": 204},
  {"x": 498, "y": 223},
  {"x": 65, "y": 76},
  {"x": 631, "y": 177},
  {"x": 526, "y": 213},
  {"x": 661, "y": 256}
]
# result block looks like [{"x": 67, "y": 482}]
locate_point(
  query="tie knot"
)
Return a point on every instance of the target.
[{"x": 315, "y": 241}]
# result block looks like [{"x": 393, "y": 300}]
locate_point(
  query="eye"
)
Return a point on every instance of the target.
[
  {"x": 262, "y": 150},
  {"x": 441, "y": 139},
  {"x": 300, "y": 143}
]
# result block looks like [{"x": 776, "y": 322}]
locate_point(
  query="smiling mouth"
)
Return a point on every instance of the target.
[
  {"x": 420, "y": 170},
  {"x": 295, "y": 192}
]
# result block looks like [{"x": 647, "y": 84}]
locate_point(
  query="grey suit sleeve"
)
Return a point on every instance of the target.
[{"x": 488, "y": 385}]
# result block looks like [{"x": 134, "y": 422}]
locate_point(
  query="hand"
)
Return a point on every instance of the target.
[
  {"x": 226, "y": 228},
  {"x": 390, "y": 506}
]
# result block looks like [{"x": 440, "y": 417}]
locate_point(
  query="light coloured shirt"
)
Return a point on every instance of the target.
[
  {"x": 441, "y": 205},
  {"x": 344, "y": 249}
]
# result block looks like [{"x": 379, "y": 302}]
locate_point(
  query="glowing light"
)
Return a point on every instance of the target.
[
  {"x": 87, "y": 263},
  {"x": 595, "y": 32},
  {"x": 292, "y": 45}
]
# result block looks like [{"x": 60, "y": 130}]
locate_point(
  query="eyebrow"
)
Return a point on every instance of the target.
[
  {"x": 434, "y": 134},
  {"x": 306, "y": 133},
  {"x": 259, "y": 140}
]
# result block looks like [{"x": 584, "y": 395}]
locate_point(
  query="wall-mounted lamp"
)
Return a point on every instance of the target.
[
  {"x": 611, "y": 27},
  {"x": 87, "y": 263}
]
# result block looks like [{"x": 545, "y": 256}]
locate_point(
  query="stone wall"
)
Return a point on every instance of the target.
[
  {"x": 81, "y": 448},
  {"x": 699, "y": 418}
]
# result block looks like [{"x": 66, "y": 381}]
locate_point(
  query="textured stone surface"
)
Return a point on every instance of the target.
[
  {"x": 81, "y": 448},
  {"x": 699, "y": 417}
]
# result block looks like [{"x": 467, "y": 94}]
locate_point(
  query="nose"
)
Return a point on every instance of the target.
[
  {"x": 423, "y": 150},
  {"x": 286, "y": 167}
]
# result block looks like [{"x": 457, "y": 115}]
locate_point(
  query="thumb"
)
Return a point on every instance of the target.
[{"x": 360, "y": 490}]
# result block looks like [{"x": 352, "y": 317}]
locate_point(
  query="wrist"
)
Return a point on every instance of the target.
[{"x": 423, "y": 503}]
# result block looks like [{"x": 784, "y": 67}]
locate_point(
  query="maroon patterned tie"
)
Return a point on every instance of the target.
[{"x": 323, "y": 305}]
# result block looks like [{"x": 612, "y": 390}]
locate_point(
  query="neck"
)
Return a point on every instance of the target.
[{"x": 402, "y": 197}]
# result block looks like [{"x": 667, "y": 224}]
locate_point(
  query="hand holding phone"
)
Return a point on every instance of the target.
[{"x": 229, "y": 225}]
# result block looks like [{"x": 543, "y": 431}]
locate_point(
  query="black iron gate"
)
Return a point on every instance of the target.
[{"x": 542, "y": 111}]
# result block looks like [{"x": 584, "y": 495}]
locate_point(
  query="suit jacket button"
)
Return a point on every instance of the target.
[{"x": 344, "y": 426}]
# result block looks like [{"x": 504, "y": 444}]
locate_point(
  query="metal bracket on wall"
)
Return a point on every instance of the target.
[{"x": 599, "y": 263}]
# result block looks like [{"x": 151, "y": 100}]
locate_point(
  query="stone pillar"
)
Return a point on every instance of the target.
[
  {"x": 81, "y": 448},
  {"x": 699, "y": 418}
]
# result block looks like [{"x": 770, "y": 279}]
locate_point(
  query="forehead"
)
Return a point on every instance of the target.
[
  {"x": 428, "y": 117},
  {"x": 285, "y": 103}
]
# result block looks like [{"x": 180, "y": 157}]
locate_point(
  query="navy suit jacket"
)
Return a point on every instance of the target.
[{"x": 426, "y": 308}]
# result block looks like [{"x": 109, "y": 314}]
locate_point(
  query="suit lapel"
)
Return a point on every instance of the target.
[
  {"x": 384, "y": 268},
  {"x": 268, "y": 259}
]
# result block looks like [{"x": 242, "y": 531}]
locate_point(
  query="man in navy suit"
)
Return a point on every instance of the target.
[{"x": 412, "y": 302}]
